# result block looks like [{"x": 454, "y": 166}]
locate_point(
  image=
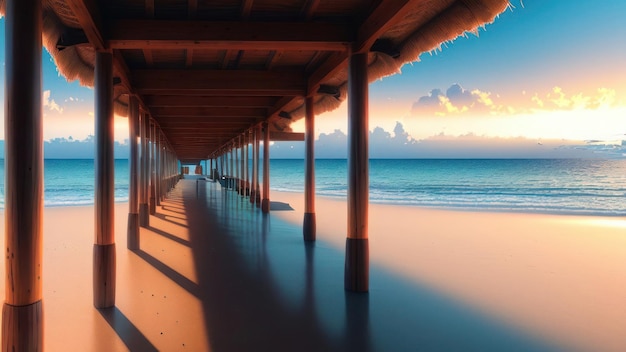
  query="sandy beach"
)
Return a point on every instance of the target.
[{"x": 559, "y": 279}]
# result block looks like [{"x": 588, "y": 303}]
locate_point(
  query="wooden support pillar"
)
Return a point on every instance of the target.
[
  {"x": 246, "y": 173},
  {"x": 357, "y": 246},
  {"x": 144, "y": 218},
  {"x": 242, "y": 171},
  {"x": 153, "y": 151},
  {"x": 230, "y": 171},
  {"x": 159, "y": 166},
  {"x": 265, "y": 203},
  {"x": 308, "y": 228},
  {"x": 132, "y": 234},
  {"x": 253, "y": 178},
  {"x": 248, "y": 137},
  {"x": 162, "y": 173},
  {"x": 257, "y": 152},
  {"x": 104, "y": 247},
  {"x": 237, "y": 173},
  {"x": 22, "y": 312}
]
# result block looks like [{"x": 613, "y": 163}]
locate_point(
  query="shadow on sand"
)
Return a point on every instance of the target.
[
  {"x": 126, "y": 330},
  {"x": 263, "y": 289}
]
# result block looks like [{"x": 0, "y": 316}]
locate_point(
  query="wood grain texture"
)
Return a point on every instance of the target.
[
  {"x": 104, "y": 167},
  {"x": 23, "y": 153},
  {"x": 22, "y": 327},
  {"x": 265, "y": 203},
  {"x": 358, "y": 152},
  {"x": 356, "y": 276},
  {"x": 104, "y": 275}
]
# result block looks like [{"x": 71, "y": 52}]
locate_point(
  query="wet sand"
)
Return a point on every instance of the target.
[{"x": 561, "y": 278}]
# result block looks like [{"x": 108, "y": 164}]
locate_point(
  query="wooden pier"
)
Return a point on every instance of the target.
[{"x": 196, "y": 80}]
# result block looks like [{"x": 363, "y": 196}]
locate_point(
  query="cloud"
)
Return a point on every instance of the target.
[
  {"x": 399, "y": 144},
  {"x": 50, "y": 103},
  {"x": 457, "y": 100},
  {"x": 70, "y": 148},
  {"x": 558, "y": 99},
  {"x": 73, "y": 100}
]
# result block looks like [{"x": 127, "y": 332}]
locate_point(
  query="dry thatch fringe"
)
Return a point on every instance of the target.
[
  {"x": 71, "y": 64},
  {"x": 76, "y": 62},
  {"x": 449, "y": 25}
]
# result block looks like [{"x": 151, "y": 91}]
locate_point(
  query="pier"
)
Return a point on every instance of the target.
[{"x": 196, "y": 79}]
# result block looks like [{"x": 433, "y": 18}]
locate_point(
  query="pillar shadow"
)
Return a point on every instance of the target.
[
  {"x": 126, "y": 330},
  {"x": 263, "y": 289},
  {"x": 168, "y": 235},
  {"x": 172, "y": 274},
  {"x": 280, "y": 206}
]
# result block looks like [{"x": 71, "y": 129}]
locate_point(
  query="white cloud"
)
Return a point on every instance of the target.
[
  {"x": 458, "y": 100},
  {"x": 50, "y": 103}
]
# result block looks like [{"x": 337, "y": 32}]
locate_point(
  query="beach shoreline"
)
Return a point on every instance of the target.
[
  {"x": 547, "y": 274},
  {"x": 559, "y": 278}
]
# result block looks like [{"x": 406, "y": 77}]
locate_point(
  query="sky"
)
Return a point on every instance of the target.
[{"x": 547, "y": 78}]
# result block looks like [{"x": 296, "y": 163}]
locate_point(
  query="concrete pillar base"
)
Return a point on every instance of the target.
[
  {"x": 22, "y": 327},
  {"x": 357, "y": 265},
  {"x": 308, "y": 228},
  {"x": 104, "y": 275}
]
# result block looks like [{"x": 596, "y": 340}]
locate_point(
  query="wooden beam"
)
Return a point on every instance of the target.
[
  {"x": 88, "y": 16},
  {"x": 221, "y": 82},
  {"x": 207, "y": 112},
  {"x": 209, "y": 101},
  {"x": 192, "y": 8},
  {"x": 188, "y": 57},
  {"x": 286, "y": 136},
  {"x": 272, "y": 58},
  {"x": 246, "y": 8},
  {"x": 227, "y": 58},
  {"x": 169, "y": 124},
  {"x": 383, "y": 17},
  {"x": 150, "y": 8},
  {"x": 387, "y": 14},
  {"x": 335, "y": 63},
  {"x": 219, "y": 35},
  {"x": 309, "y": 9},
  {"x": 147, "y": 55},
  {"x": 277, "y": 108}
]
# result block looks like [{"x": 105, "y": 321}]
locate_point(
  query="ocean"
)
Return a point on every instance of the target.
[{"x": 556, "y": 186}]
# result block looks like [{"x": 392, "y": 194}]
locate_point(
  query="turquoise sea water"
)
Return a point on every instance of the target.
[
  {"x": 71, "y": 182},
  {"x": 563, "y": 186},
  {"x": 583, "y": 186}
]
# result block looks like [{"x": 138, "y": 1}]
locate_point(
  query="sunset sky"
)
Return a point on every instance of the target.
[{"x": 544, "y": 70}]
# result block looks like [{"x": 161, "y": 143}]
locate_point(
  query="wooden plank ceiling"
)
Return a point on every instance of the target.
[{"x": 207, "y": 71}]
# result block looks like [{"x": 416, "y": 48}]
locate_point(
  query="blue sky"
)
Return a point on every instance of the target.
[{"x": 544, "y": 71}]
